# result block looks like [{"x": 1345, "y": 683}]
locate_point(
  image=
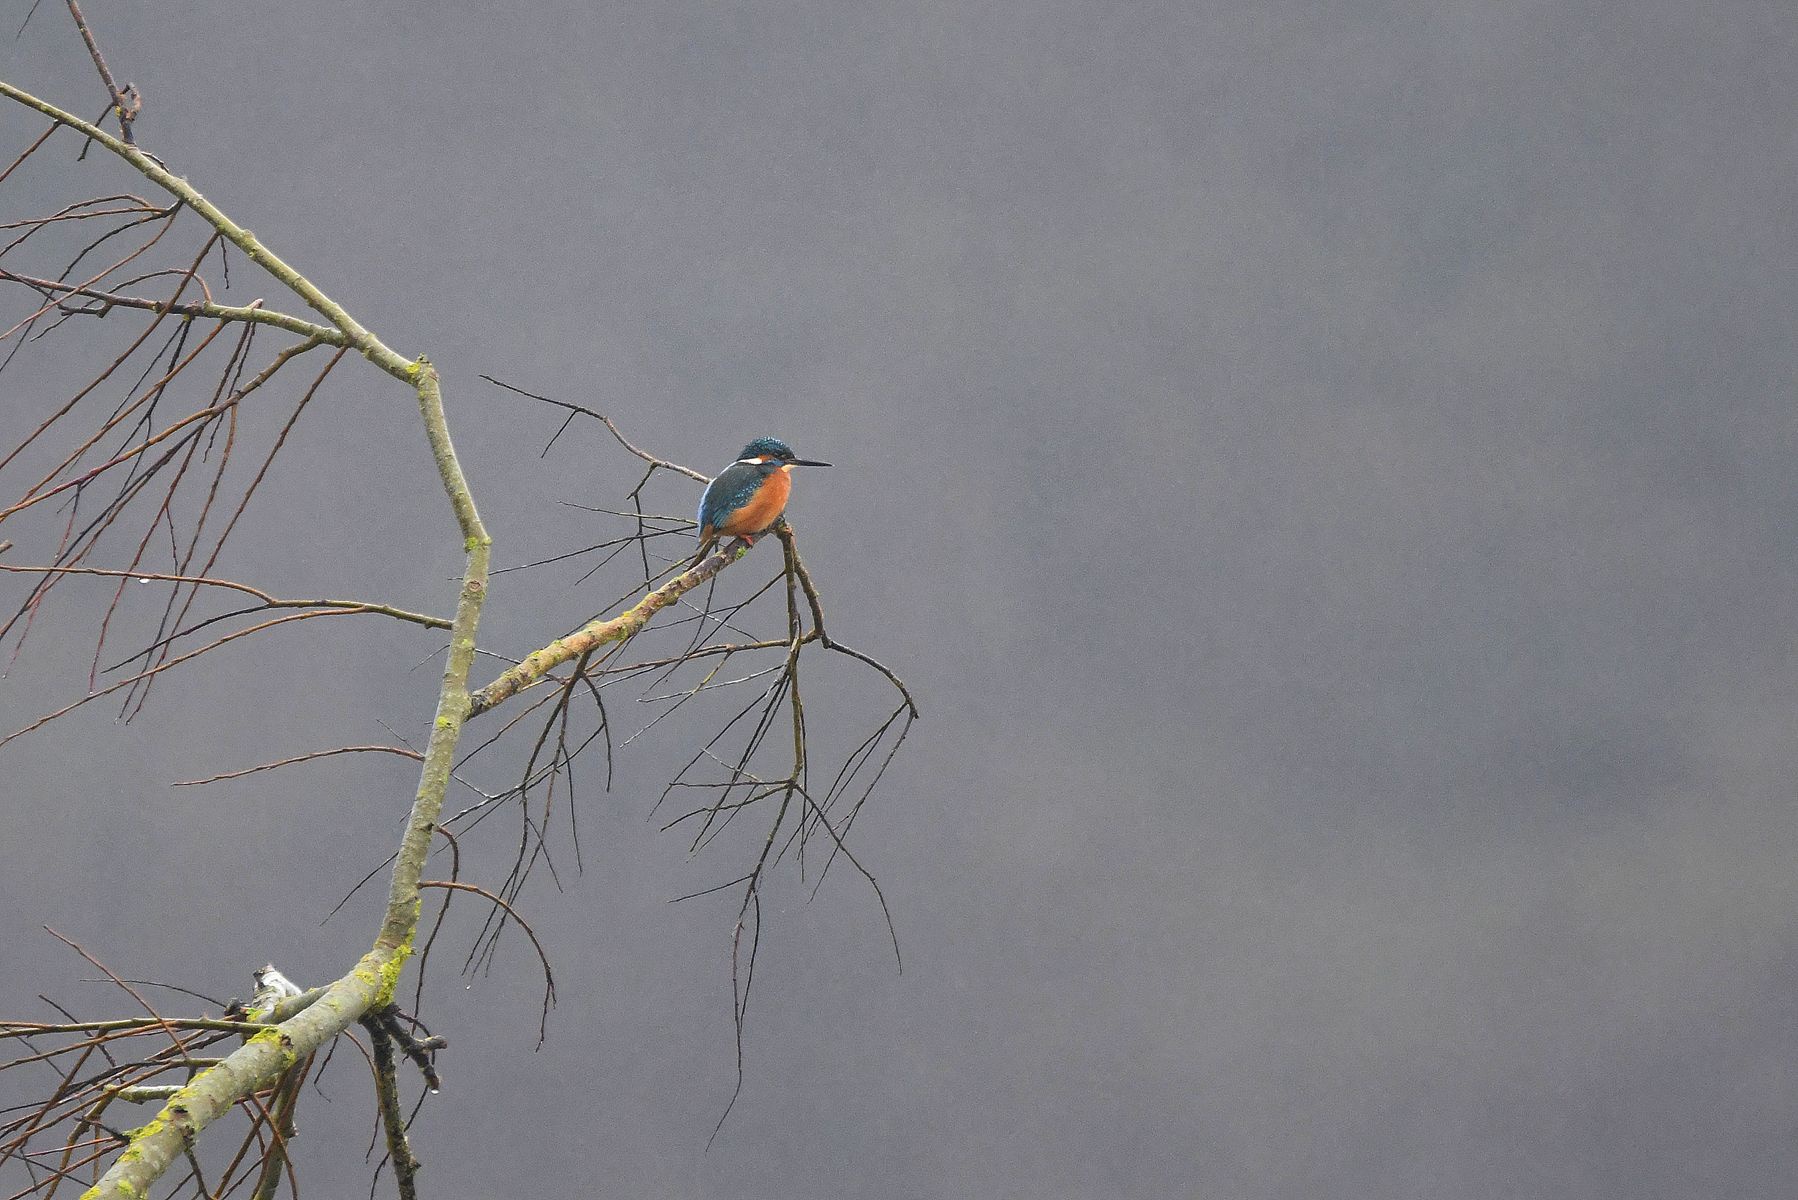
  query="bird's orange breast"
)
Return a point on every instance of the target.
[{"x": 769, "y": 501}]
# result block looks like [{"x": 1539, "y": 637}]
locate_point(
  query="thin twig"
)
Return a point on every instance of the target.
[
  {"x": 645, "y": 455},
  {"x": 125, "y": 109},
  {"x": 414, "y": 755}
]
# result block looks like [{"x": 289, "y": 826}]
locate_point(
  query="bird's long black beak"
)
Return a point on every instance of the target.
[{"x": 807, "y": 462}]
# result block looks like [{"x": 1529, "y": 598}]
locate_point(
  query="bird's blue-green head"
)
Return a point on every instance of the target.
[{"x": 767, "y": 451}]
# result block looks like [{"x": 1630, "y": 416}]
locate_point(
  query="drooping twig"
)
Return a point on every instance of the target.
[{"x": 549, "y": 977}]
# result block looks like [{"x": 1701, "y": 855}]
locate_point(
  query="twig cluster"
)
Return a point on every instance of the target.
[
  {"x": 128, "y": 469},
  {"x": 65, "y": 1134}
]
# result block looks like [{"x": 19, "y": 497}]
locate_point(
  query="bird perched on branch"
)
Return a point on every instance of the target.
[{"x": 748, "y": 496}]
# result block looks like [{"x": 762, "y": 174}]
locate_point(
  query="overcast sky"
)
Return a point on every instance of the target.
[{"x": 1324, "y": 468}]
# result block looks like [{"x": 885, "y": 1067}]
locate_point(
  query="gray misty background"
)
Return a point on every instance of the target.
[{"x": 1325, "y": 470}]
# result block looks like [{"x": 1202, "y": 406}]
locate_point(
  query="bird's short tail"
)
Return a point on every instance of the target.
[{"x": 708, "y": 538}]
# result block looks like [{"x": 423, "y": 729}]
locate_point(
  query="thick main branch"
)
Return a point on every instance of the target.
[{"x": 262, "y": 1060}]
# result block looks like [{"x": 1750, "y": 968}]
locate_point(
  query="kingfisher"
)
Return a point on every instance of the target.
[{"x": 748, "y": 496}]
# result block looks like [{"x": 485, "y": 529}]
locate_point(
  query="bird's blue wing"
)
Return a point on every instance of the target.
[{"x": 727, "y": 493}]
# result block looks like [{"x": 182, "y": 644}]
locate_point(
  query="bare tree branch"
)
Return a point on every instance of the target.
[
  {"x": 599, "y": 632},
  {"x": 251, "y": 313}
]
